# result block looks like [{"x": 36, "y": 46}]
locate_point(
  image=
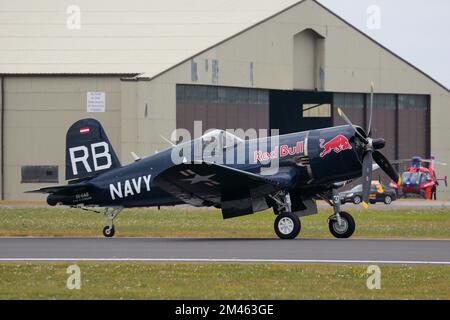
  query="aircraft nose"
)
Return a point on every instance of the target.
[{"x": 378, "y": 143}]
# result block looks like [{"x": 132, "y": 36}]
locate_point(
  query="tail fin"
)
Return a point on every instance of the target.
[{"x": 88, "y": 151}]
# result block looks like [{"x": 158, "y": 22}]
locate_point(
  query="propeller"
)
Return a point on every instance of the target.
[{"x": 371, "y": 153}]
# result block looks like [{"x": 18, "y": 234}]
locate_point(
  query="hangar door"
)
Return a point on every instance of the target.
[
  {"x": 221, "y": 107},
  {"x": 414, "y": 126},
  {"x": 402, "y": 120},
  {"x": 294, "y": 111},
  {"x": 355, "y": 105}
]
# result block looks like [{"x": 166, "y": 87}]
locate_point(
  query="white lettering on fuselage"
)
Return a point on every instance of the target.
[{"x": 130, "y": 187}]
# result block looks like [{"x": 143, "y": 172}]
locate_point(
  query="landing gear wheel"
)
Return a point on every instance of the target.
[
  {"x": 287, "y": 225},
  {"x": 357, "y": 200},
  {"x": 387, "y": 200},
  {"x": 345, "y": 229},
  {"x": 108, "y": 231}
]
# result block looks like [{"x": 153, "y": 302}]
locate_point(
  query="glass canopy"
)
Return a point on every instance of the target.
[{"x": 220, "y": 139}]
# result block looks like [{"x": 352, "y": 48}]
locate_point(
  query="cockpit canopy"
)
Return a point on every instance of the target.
[
  {"x": 415, "y": 178},
  {"x": 220, "y": 139}
]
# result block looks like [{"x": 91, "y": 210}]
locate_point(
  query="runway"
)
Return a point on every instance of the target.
[{"x": 226, "y": 250}]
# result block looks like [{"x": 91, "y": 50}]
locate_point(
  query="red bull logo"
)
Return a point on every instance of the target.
[
  {"x": 282, "y": 151},
  {"x": 337, "y": 144}
]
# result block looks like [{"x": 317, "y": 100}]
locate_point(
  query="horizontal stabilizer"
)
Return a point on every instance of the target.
[{"x": 63, "y": 190}]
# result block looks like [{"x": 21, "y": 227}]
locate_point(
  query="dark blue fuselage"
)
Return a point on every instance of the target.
[{"x": 319, "y": 158}]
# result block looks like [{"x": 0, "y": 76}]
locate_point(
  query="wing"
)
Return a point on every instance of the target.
[{"x": 205, "y": 184}]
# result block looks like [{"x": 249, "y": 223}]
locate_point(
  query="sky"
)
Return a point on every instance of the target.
[{"x": 416, "y": 30}]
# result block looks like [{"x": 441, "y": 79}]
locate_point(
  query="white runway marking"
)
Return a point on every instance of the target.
[
  {"x": 224, "y": 260},
  {"x": 214, "y": 238}
]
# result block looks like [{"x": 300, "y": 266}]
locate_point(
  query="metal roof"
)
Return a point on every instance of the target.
[
  {"x": 127, "y": 37},
  {"x": 150, "y": 76},
  {"x": 117, "y": 36}
]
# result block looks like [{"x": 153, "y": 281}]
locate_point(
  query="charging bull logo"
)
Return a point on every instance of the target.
[{"x": 337, "y": 144}]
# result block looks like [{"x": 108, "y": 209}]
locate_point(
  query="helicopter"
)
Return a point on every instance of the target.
[{"x": 420, "y": 178}]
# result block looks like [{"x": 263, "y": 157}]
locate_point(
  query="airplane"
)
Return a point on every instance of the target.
[
  {"x": 311, "y": 165},
  {"x": 419, "y": 179}
]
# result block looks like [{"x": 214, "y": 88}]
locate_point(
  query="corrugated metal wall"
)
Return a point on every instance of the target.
[
  {"x": 222, "y": 107},
  {"x": 413, "y": 126},
  {"x": 402, "y": 120},
  {"x": 384, "y": 121},
  {"x": 38, "y": 112}
]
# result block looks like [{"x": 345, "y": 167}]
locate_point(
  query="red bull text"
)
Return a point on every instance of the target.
[{"x": 282, "y": 151}]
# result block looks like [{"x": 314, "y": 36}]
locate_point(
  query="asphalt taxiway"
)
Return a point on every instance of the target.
[{"x": 226, "y": 250}]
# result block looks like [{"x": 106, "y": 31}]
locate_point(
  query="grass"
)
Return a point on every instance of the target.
[
  {"x": 188, "y": 222},
  {"x": 214, "y": 280},
  {"x": 221, "y": 281}
]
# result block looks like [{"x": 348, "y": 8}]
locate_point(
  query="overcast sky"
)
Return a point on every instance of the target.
[{"x": 417, "y": 30}]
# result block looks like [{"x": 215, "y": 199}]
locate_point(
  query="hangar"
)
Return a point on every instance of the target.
[{"x": 289, "y": 71}]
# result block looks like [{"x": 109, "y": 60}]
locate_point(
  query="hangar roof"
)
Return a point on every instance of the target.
[
  {"x": 128, "y": 37},
  {"x": 118, "y": 36}
]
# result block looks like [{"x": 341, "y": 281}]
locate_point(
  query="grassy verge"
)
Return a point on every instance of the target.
[
  {"x": 221, "y": 281},
  {"x": 404, "y": 223}
]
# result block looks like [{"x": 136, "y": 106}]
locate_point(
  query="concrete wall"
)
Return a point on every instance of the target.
[
  {"x": 1, "y": 140},
  {"x": 304, "y": 60},
  {"x": 38, "y": 112},
  {"x": 263, "y": 57},
  {"x": 39, "y": 109}
]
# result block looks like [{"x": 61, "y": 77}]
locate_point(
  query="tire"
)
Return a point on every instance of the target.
[
  {"x": 346, "y": 229},
  {"x": 287, "y": 225},
  {"x": 388, "y": 200},
  {"x": 109, "y": 232},
  {"x": 357, "y": 200}
]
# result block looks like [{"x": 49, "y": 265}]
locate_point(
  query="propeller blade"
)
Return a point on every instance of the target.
[
  {"x": 367, "y": 178},
  {"x": 369, "y": 127},
  {"x": 347, "y": 120},
  {"x": 386, "y": 166}
]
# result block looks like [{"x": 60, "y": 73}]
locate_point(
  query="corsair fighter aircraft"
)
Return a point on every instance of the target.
[{"x": 311, "y": 165}]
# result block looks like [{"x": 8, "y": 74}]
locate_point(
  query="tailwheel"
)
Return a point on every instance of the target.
[
  {"x": 342, "y": 225},
  {"x": 287, "y": 225},
  {"x": 109, "y": 231},
  {"x": 110, "y": 214}
]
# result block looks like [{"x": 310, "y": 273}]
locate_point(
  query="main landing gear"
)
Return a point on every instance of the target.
[
  {"x": 110, "y": 214},
  {"x": 341, "y": 223},
  {"x": 287, "y": 223}
]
